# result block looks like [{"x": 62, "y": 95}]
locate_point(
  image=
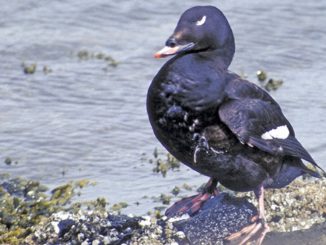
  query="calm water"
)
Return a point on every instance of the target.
[{"x": 88, "y": 120}]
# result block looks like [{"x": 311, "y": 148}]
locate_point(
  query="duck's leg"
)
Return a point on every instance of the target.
[
  {"x": 257, "y": 231},
  {"x": 192, "y": 204}
]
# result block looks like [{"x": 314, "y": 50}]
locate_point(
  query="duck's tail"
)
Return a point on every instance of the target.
[
  {"x": 313, "y": 169},
  {"x": 293, "y": 168}
]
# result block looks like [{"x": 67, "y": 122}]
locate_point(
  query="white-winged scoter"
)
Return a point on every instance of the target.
[{"x": 217, "y": 123}]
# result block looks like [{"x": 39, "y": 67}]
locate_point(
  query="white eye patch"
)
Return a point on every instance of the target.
[{"x": 201, "y": 21}]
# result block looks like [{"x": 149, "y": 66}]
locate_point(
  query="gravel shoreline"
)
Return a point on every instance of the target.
[{"x": 296, "y": 215}]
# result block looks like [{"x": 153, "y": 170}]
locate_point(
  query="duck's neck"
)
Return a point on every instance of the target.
[{"x": 223, "y": 56}]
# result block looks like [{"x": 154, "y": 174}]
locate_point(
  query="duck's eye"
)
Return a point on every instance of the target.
[{"x": 201, "y": 21}]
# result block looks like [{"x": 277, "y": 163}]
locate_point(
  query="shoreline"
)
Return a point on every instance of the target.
[{"x": 30, "y": 216}]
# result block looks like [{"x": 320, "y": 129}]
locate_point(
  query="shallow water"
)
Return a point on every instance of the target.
[{"x": 86, "y": 119}]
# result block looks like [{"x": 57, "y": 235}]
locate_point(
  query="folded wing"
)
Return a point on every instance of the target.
[{"x": 257, "y": 120}]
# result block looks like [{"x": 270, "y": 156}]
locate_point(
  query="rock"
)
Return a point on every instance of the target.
[
  {"x": 64, "y": 226},
  {"x": 220, "y": 216},
  {"x": 316, "y": 235}
]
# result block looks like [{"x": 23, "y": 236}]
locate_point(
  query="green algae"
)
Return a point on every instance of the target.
[
  {"x": 261, "y": 75},
  {"x": 26, "y": 203},
  {"x": 62, "y": 194},
  {"x": 87, "y": 55},
  {"x": 29, "y": 68},
  {"x": 165, "y": 164},
  {"x": 165, "y": 199},
  {"x": 273, "y": 84},
  {"x": 117, "y": 207},
  {"x": 270, "y": 84}
]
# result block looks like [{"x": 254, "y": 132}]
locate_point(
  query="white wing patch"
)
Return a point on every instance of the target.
[
  {"x": 281, "y": 132},
  {"x": 201, "y": 21}
]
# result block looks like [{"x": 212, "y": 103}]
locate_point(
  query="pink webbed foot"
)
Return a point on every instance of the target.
[
  {"x": 191, "y": 205},
  {"x": 251, "y": 234},
  {"x": 257, "y": 231}
]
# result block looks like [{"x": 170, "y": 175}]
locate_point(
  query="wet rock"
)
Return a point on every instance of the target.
[
  {"x": 316, "y": 235},
  {"x": 219, "y": 217},
  {"x": 122, "y": 222},
  {"x": 64, "y": 226}
]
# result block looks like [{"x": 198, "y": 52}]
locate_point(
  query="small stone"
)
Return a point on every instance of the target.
[
  {"x": 8, "y": 161},
  {"x": 96, "y": 242},
  {"x": 65, "y": 225},
  {"x": 106, "y": 240},
  {"x": 180, "y": 235},
  {"x": 176, "y": 190},
  {"x": 80, "y": 237},
  {"x": 145, "y": 222},
  {"x": 55, "y": 226}
]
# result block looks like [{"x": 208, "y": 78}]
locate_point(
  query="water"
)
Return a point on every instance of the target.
[{"x": 88, "y": 120}]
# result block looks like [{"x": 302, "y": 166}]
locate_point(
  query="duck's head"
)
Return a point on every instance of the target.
[{"x": 200, "y": 29}]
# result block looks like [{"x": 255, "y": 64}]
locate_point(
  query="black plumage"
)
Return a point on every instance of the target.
[{"x": 214, "y": 121}]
